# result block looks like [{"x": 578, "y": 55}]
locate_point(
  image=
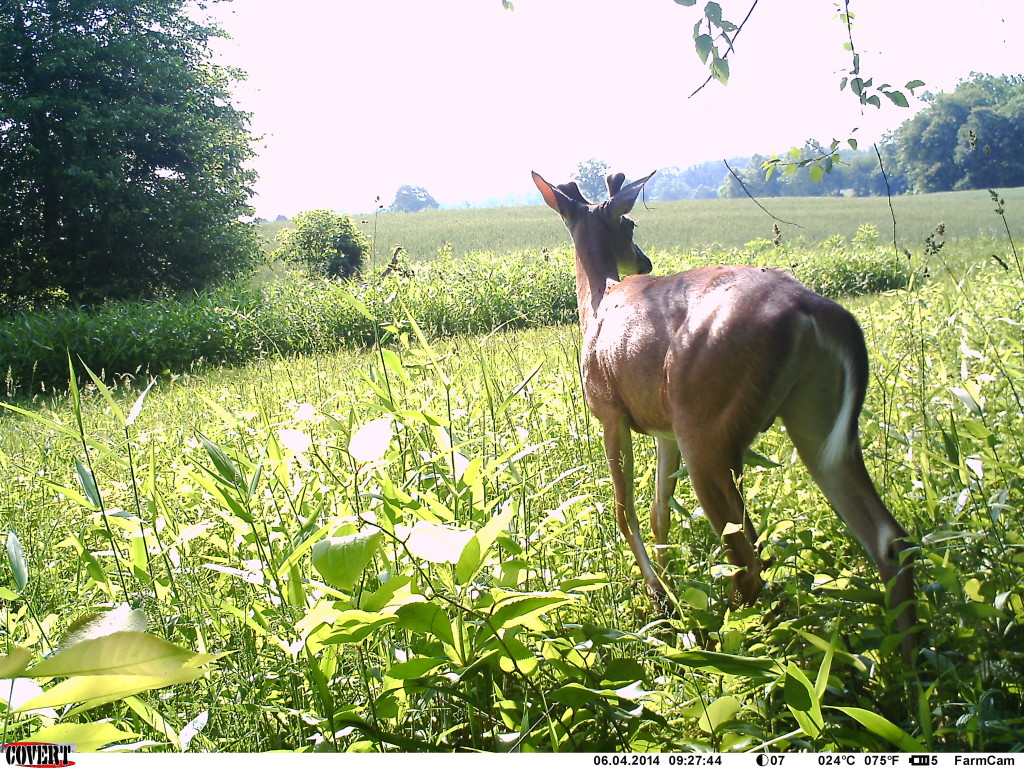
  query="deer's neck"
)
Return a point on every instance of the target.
[{"x": 594, "y": 272}]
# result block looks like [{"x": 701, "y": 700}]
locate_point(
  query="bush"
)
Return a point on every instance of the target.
[
  {"x": 450, "y": 295},
  {"x": 326, "y": 243}
]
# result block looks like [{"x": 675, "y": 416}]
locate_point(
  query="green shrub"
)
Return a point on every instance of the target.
[
  {"x": 326, "y": 243},
  {"x": 475, "y": 293}
]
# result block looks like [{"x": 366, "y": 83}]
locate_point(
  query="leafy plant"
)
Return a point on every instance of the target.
[{"x": 326, "y": 243}]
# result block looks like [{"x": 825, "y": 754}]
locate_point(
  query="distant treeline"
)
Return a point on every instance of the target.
[{"x": 967, "y": 139}]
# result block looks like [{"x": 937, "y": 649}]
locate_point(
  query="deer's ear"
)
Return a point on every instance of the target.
[
  {"x": 622, "y": 201},
  {"x": 554, "y": 196}
]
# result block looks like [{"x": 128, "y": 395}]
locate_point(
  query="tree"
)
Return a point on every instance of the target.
[
  {"x": 122, "y": 159},
  {"x": 850, "y": 172},
  {"x": 989, "y": 144},
  {"x": 326, "y": 243},
  {"x": 590, "y": 176},
  {"x": 700, "y": 181},
  {"x": 409, "y": 199},
  {"x": 967, "y": 139}
]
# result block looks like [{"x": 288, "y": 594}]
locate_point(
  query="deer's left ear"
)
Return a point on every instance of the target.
[{"x": 622, "y": 201}]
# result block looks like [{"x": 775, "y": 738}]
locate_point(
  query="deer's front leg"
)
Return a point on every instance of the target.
[
  {"x": 618, "y": 446},
  {"x": 665, "y": 486}
]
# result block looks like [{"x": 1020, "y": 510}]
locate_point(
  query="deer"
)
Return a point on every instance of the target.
[{"x": 704, "y": 361}]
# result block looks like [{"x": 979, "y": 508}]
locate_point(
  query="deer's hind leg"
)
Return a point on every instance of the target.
[
  {"x": 846, "y": 484},
  {"x": 715, "y": 469},
  {"x": 665, "y": 486}
]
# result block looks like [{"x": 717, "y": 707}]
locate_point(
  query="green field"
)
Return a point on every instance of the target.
[
  {"x": 396, "y": 534},
  {"x": 701, "y": 224}
]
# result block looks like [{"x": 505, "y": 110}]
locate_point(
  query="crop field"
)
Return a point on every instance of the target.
[
  {"x": 701, "y": 224},
  {"x": 377, "y": 517}
]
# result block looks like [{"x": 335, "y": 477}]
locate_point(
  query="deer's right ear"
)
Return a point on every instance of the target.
[{"x": 553, "y": 196}]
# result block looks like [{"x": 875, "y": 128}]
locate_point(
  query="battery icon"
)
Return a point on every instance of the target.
[{"x": 920, "y": 759}]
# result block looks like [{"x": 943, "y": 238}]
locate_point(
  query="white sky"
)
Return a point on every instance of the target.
[{"x": 354, "y": 98}]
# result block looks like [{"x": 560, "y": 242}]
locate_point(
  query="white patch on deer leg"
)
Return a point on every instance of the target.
[{"x": 886, "y": 536}]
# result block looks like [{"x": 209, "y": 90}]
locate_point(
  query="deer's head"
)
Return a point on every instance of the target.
[{"x": 602, "y": 230}]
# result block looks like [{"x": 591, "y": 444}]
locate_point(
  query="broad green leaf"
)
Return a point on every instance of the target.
[
  {"x": 720, "y": 70},
  {"x": 16, "y": 558},
  {"x": 879, "y": 726},
  {"x": 802, "y": 702},
  {"x": 719, "y": 711},
  {"x": 414, "y": 667},
  {"x": 99, "y": 689},
  {"x": 469, "y": 561},
  {"x": 393, "y": 363},
  {"x": 622, "y": 671},
  {"x": 731, "y": 529},
  {"x": 969, "y": 396},
  {"x": 516, "y": 609},
  {"x": 713, "y": 11},
  {"x": 516, "y": 657},
  {"x": 320, "y": 614},
  {"x": 752, "y": 458},
  {"x": 576, "y": 696},
  {"x": 386, "y": 593},
  {"x": 477, "y": 548},
  {"x": 426, "y": 619},
  {"x": 341, "y": 560},
  {"x": 703, "y": 44},
  {"x": 897, "y": 98},
  {"x": 817, "y": 173},
  {"x": 14, "y": 663},
  {"x": 606, "y": 635},
  {"x": 355, "y": 625},
  {"x": 587, "y": 582},
  {"x": 758, "y": 669},
  {"x": 121, "y": 653},
  {"x": 19, "y": 690},
  {"x": 696, "y": 598},
  {"x": 371, "y": 441},
  {"x": 87, "y": 737}
]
